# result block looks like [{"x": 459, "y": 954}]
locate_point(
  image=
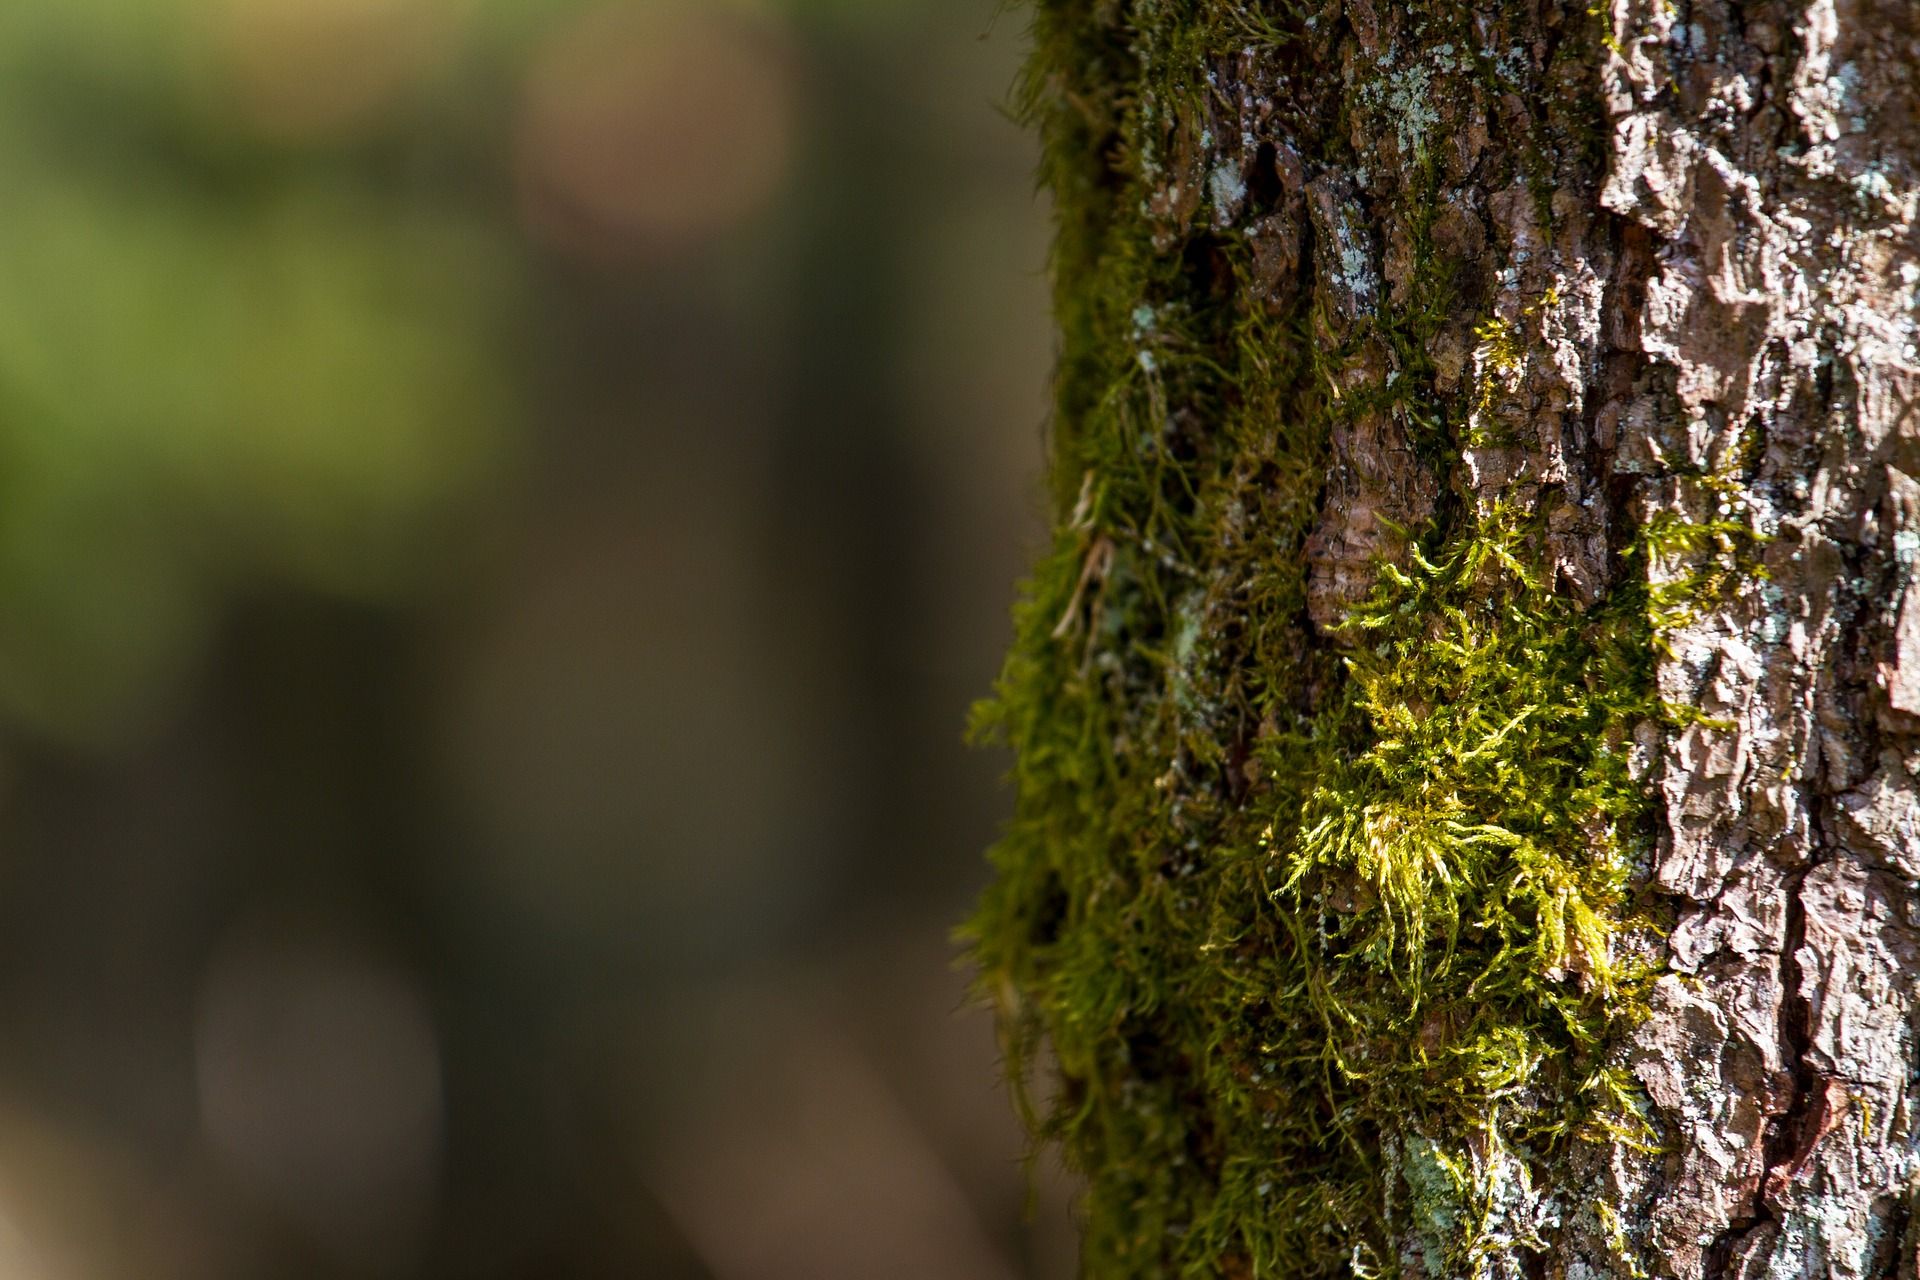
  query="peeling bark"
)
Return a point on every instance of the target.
[{"x": 1770, "y": 150}]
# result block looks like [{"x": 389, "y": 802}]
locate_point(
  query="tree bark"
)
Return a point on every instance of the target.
[{"x": 1467, "y": 728}]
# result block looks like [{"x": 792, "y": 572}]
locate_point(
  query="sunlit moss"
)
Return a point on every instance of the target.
[{"x": 1328, "y": 938}]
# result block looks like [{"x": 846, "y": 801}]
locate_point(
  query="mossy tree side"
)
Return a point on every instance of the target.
[{"x": 1466, "y": 727}]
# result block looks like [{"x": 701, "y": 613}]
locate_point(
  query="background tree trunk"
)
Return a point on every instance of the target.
[{"x": 1467, "y": 728}]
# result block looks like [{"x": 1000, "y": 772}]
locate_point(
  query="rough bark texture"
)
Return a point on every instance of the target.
[
  {"x": 1398, "y": 341},
  {"x": 1770, "y": 150}
]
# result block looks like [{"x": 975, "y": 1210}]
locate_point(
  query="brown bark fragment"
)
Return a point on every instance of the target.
[{"x": 1376, "y": 488}]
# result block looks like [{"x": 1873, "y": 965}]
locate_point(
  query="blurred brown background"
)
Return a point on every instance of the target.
[{"x": 503, "y": 507}]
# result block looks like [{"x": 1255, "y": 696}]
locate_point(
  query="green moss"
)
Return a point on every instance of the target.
[{"x": 1326, "y": 939}]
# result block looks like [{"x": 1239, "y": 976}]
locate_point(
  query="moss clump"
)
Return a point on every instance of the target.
[
  {"x": 1327, "y": 937},
  {"x": 1405, "y": 937}
]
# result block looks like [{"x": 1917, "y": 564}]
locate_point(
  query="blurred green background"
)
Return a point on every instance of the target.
[{"x": 503, "y": 507}]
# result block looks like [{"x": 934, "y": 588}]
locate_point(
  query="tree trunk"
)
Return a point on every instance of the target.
[{"x": 1466, "y": 729}]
